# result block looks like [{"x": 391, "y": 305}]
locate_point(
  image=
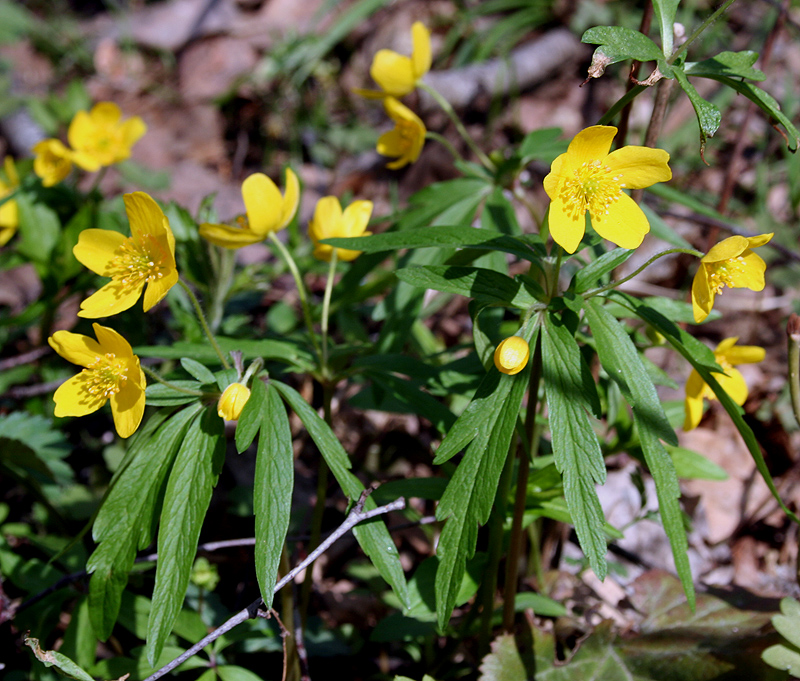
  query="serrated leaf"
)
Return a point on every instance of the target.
[
  {"x": 252, "y": 416},
  {"x": 439, "y": 236},
  {"x": 664, "y": 13},
  {"x": 197, "y": 370},
  {"x": 374, "y": 538},
  {"x": 617, "y": 43},
  {"x": 124, "y": 522},
  {"x": 272, "y": 491},
  {"x": 730, "y": 64},
  {"x": 467, "y": 501},
  {"x": 708, "y": 115},
  {"x": 575, "y": 446},
  {"x": 473, "y": 282},
  {"x": 186, "y": 499},
  {"x": 504, "y": 662},
  {"x": 52, "y": 658},
  {"x": 591, "y": 275}
]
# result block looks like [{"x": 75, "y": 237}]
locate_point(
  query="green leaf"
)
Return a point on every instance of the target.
[
  {"x": 575, "y": 446},
  {"x": 473, "y": 282},
  {"x": 197, "y": 370},
  {"x": 124, "y": 522},
  {"x": 690, "y": 465},
  {"x": 373, "y": 537},
  {"x": 729, "y": 64},
  {"x": 661, "y": 230},
  {"x": 542, "y": 606},
  {"x": 467, "y": 501},
  {"x": 439, "y": 236},
  {"x": 664, "y": 13},
  {"x": 617, "y": 43},
  {"x": 504, "y": 662},
  {"x": 542, "y": 145},
  {"x": 186, "y": 499},
  {"x": 786, "y": 655},
  {"x": 592, "y": 274},
  {"x": 252, "y": 416},
  {"x": 272, "y": 491},
  {"x": 161, "y": 395},
  {"x": 708, "y": 115},
  {"x": 52, "y": 658},
  {"x": 228, "y": 672},
  {"x": 39, "y": 228},
  {"x": 80, "y": 643}
]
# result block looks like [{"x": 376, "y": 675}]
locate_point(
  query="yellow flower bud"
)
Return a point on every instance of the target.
[
  {"x": 232, "y": 401},
  {"x": 511, "y": 355}
]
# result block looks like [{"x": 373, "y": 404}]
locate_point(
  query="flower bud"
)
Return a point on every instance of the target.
[
  {"x": 232, "y": 401},
  {"x": 511, "y": 355}
]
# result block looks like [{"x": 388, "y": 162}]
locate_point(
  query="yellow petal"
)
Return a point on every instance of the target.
[
  {"x": 6, "y": 233},
  {"x": 566, "y": 228},
  {"x": 145, "y": 217},
  {"x": 75, "y": 347},
  {"x": 127, "y": 408},
  {"x": 96, "y": 248},
  {"x": 725, "y": 345},
  {"x": 327, "y": 216},
  {"x": 591, "y": 144},
  {"x": 291, "y": 198},
  {"x": 356, "y": 218},
  {"x": 759, "y": 240},
  {"x": 113, "y": 298},
  {"x": 131, "y": 131},
  {"x": 745, "y": 354},
  {"x": 80, "y": 130},
  {"x": 702, "y": 295},
  {"x": 390, "y": 143},
  {"x": 693, "y": 408},
  {"x": 228, "y": 237},
  {"x": 73, "y": 398},
  {"x": 421, "y": 52},
  {"x": 86, "y": 161},
  {"x": 695, "y": 385},
  {"x": 727, "y": 249},
  {"x": 112, "y": 341},
  {"x": 751, "y": 273},
  {"x": 263, "y": 202},
  {"x": 552, "y": 180},
  {"x": 639, "y": 166},
  {"x": 369, "y": 94},
  {"x": 158, "y": 288},
  {"x": 105, "y": 114},
  {"x": 733, "y": 383},
  {"x": 11, "y": 171},
  {"x": 625, "y": 224},
  {"x": 393, "y": 72}
]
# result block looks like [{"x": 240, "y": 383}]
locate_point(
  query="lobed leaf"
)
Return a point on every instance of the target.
[{"x": 664, "y": 14}]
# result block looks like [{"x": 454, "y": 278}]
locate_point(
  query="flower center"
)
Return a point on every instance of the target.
[
  {"x": 408, "y": 133},
  {"x": 592, "y": 187},
  {"x": 724, "y": 273},
  {"x": 106, "y": 375},
  {"x": 137, "y": 262}
]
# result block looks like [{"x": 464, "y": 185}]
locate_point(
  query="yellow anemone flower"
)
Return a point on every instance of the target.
[
  {"x": 511, "y": 355},
  {"x": 9, "y": 214},
  {"x": 101, "y": 138},
  {"x": 111, "y": 372},
  {"x": 589, "y": 178},
  {"x": 145, "y": 257},
  {"x": 730, "y": 263},
  {"x": 732, "y": 382},
  {"x": 53, "y": 161},
  {"x": 232, "y": 401},
  {"x": 267, "y": 211},
  {"x": 330, "y": 222},
  {"x": 396, "y": 74},
  {"x": 405, "y": 141}
]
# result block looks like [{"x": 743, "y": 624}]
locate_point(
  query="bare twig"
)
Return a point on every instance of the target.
[
  {"x": 24, "y": 358},
  {"x": 356, "y": 516}
]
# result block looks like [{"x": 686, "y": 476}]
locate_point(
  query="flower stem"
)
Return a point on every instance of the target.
[
  {"x": 621, "y": 103},
  {"x": 709, "y": 20},
  {"x": 187, "y": 391},
  {"x": 222, "y": 284},
  {"x": 441, "y": 139},
  {"x": 326, "y": 308},
  {"x": 202, "y": 319},
  {"x": 615, "y": 284},
  {"x": 301, "y": 290},
  {"x": 448, "y": 109},
  {"x": 793, "y": 337}
]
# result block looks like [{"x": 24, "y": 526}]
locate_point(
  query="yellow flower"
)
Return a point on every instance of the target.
[
  {"x": 396, "y": 74},
  {"x": 145, "y": 257},
  {"x": 406, "y": 139},
  {"x": 330, "y": 222},
  {"x": 511, "y": 356},
  {"x": 101, "y": 138},
  {"x": 111, "y": 372},
  {"x": 53, "y": 161},
  {"x": 232, "y": 401},
  {"x": 588, "y": 178},
  {"x": 730, "y": 263},
  {"x": 267, "y": 211},
  {"x": 9, "y": 215},
  {"x": 732, "y": 381}
]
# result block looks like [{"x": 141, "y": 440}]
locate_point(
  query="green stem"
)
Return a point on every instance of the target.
[
  {"x": 222, "y": 285},
  {"x": 615, "y": 284},
  {"x": 525, "y": 458},
  {"x": 202, "y": 319},
  {"x": 446, "y": 143},
  {"x": 187, "y": 391},
  {"x": 621, "y": 103},
  {"x": 793, "y": 337},
  {"x": 448, "y": 109},
  {"x": 710, "y": 20},
  {"x": 301, "y": 290},
  {"x": 326, "y": 309}
]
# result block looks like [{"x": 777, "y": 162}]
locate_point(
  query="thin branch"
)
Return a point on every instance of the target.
[
  {"x": 24, "y": 358},
  {"x": 356, "y": 516}
]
